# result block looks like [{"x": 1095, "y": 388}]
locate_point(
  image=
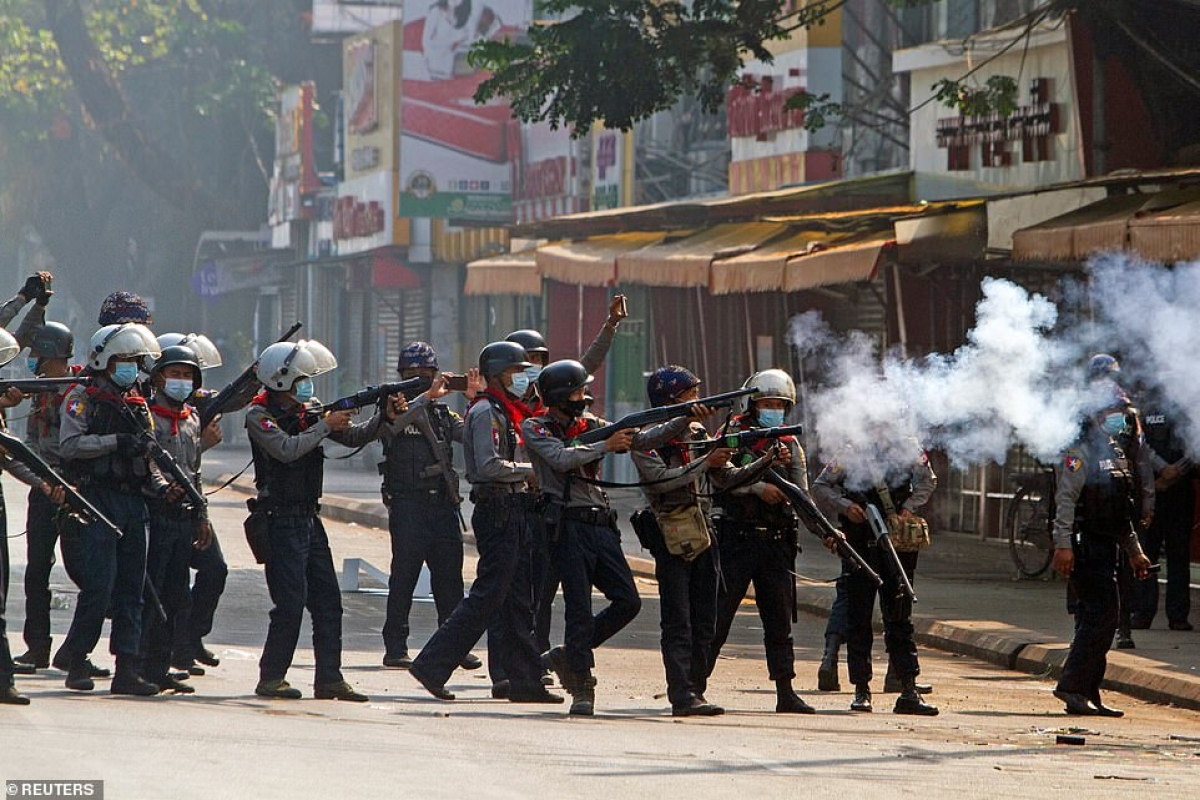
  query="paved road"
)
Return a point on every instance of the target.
[{"x": 995, "y": 737}]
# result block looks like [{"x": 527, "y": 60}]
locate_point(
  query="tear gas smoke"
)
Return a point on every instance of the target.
[{"x": 1018, "y": 380}]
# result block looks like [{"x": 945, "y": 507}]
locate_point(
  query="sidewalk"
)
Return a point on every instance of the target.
[{"x": 968, "y": 602}]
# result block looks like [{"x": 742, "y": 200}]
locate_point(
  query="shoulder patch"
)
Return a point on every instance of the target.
[
  {"x": 267, "y": 424},
  {"x": 76, "y": 406},
  {"x": 1072, "y": 463}
]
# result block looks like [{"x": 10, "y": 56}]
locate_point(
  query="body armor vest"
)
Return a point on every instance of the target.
[
  {"x": 410, "y": 458},
  {"x": 126, "y": 473},
  {"x": 747, "y": 509},
  {"x": 296, "y": 484},
  {"x": 1106, "y": 504}
]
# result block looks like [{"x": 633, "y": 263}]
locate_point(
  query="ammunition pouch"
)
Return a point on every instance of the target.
[
  {"x": 645, "y": 527},
  {"x": 908, "y": 534},
  {"x": 685, "y": 531},
  {"x": 257, "y": 528}
]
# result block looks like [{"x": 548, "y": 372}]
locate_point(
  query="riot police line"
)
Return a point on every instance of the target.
[{"x": 118, "y": 440}]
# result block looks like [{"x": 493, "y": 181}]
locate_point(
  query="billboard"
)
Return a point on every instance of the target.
[{"x": 455, "y": 156}]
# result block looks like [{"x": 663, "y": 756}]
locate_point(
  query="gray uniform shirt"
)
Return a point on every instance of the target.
[
  {"x": 266, "y": 434},
  {"x": 673, "y": 484},
  {"x": 491, "y": 450},
  {"x": 830, "y": 488},
  {"x": 1071, "y": 474},
  {"x": 74, "y": 441},
  {"x": 553, "y": 459}
]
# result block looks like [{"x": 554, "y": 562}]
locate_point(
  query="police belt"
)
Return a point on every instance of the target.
[
  {"x": 292, "y": 510},
  {"x": 591, "y": 515},
  {"x": 759, "y": 532},
  {"x": 435, "y": 495},
  {"x": 496, "y": 492}
]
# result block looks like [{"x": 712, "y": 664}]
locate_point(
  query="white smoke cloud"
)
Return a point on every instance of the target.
[{"x": 1018, "y": 380}]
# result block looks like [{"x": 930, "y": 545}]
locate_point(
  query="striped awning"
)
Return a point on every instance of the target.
[
  {"x": 685, "y": 261},
  {"x": 591, "y": 261},
  {"x": 511, "y": 273},
  {"x": 849, "y": 262},
  {"x": 762, "y": 269}
]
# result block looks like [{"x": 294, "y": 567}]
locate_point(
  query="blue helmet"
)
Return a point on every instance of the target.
[
  {"x": 1103, "y": 365},
  {"x": 417, "y": 355},
  {"x": 667, "y": 383}
]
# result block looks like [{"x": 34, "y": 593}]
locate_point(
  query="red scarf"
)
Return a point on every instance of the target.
[
  {"x": 516, "y": 411},
  {"x": 174, "y": 416},
  {"x": 264, "y": 400}
]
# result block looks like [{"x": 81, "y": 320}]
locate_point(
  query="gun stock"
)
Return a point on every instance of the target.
[
  {"x": 38, "y": 385},
  {"x": 661, "y": 414},
  {"x": 239, "y": 391},
  {"x": 818, "y": 524},
  {"x": 879, "y": 528},
  {"x": 373, "y": 394}
]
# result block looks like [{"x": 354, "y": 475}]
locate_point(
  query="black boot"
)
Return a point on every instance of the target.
[
  {"x": 862, "y": 698},
  {"x": 79, "y": 672},
  {"x": 788, "y": 702},
  {"x": 35, "y": 657},
  {"x": 892, "y": 684},
  {"x": 128, "y": 681},
  {"x": 827, "y": 673},
  {"x": 583, "y": 695},
  {"x": 910, "y": 702}
]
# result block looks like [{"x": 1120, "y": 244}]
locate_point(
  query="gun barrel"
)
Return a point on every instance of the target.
[
  {"x": 373, "y": 394},
  {"x": 79, "y": 504},
  {"x": 37, "y": 385},
  {"x": 660, "y": 414},
  {"x": 879, "y": 527}
]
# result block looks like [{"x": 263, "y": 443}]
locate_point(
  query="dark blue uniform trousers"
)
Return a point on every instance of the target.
[
  {"x": 112, "y": 572},
  {"x": 894, "y": 607},
  {"x": 300, "y": 575},
  {"x": 41, "y": 534},
  {"x": 1094, "y": 580},
  {"x": 687, "y": 592},
  {"x": 500, "y": 602},
  {"x": 167, "y": 557},
  {"x": 1171, "y": 535},
  {"x": 422, "y": 532},
  {"x": 194, "y": 620},
  {"x": 6, "y": 663},
  {"x": 587, "y": 555},
  {"x": 767, "y": 561}
]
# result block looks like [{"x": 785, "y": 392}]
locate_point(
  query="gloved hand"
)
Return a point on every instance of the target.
[
  {"x": 34, "y": 286},
  {"x": 130, "y": 445},
  {"x": 43, "y": 298}
]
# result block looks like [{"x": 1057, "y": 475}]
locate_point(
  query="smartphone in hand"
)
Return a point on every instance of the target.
[{"x": 456, "y": 383}]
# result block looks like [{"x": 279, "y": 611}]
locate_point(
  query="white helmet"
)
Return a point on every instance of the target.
[
  {"x": 773, "y": 383},
  {"x": 126, "y": 339},
  {"x": 282, "y": 363},
  {"x": 8, "y": 347},
  {"x": 207, "y": 354}
]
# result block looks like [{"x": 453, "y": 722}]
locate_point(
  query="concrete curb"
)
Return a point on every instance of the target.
[{"x": 997, "y": 643}]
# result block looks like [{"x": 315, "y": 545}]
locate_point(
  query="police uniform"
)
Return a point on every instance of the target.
[
  {"x": 112, "y": 570},
  {"x": 288, "y": 473},
  {"x": 174, "y": 527},
  {"x": 758, "y": 544},
  {"x": 1170, "y": 534},
  {"x": 909, "y": 487},
  {"x": 585, "y": 548},
  {"x": 501, "y": 597},
  {"x": 1095, "y": 510},
  {"x": 423, "y": 514}
]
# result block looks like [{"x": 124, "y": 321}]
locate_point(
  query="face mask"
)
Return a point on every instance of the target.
[
  {"x": 32, "y": 364},
  {"x": 520, "y": 384},
  {"x": 770, "y": 417},
  {"x": 533, "y": 372},
  {"x": 125, "y": 374},
  {"x": 574, "y": 408},
  {"x": 303, "y": 390},
  {"x": 178, "y": 389},
  {"x": 1113, "y": 424}
]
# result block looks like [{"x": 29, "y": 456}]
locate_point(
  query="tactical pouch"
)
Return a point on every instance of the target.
[
  {"x": 908, "y": 534},
  {"x": 69, "y": 525},
  {"x": 685, "y": 531},
  {"x": 645, "y": 526},
  {"x": 258, "y": 536},
  {"x": 552, "y": 519}
]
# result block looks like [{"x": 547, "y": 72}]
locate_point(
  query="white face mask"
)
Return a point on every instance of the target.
[
  {"x": 178, "y": 389},
  {"x": 520, "y": 384}
]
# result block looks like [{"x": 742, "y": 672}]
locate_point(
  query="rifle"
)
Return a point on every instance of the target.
[
  {"x": 241, "y": 389},
  {"x": 656, "y": 416},
  {"x": 165, "y": 461},
  {"x": 879, "y": 528},
  {"x": 818, "y": 524},
  {"x": 736, "y": 439},
  {"x": 443, "y": 466},
  {"x": 38, "y": 385},
  {"x": 80, "y": 507},
  {"x": 371, "y": 395}
]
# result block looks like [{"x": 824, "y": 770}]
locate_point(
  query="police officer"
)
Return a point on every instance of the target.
[
  {"x": 545, "y": 581},
  {"x": 758, "y": 533},
  {"x": 420, "y": 490},
  {"x": 286, "y": 437},
  {"x": 50, "y": 352},
  {"x": 501, "y": 597},
  {"x": 895, "y": 479},
  {"x": 672, "y": 475},
  {"x": 176, "y": 528},
  {"x": 104, "y": 454},
  {"x": 198, "y": 607},
  {"x": 1174, "y": 514},
  {"x": 1095, "y": 499},
  {"x": 585, "y": 547}
]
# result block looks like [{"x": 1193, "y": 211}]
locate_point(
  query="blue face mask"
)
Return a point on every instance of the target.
[
  {"x": 125, "y": 374},
  {"x": 533, "y": 372},
  {"x": 303, "y": 390},
  {"x": 178, "y": 389},
  {"x": 1113, "y": 424},
  {"x": 520, "y": 384},
  {"x": 32, "y": 364},
  {"x": 770, "y": 417}
]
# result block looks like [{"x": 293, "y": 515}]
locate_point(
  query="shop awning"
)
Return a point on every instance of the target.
[
  {"x": 762, "y": 269},
  {"x": 849, "y": 262},
  {"x": 1106, "y": 225},
  {"x": 685, "y": 261},
  {"x": 1172, "y": 235},
  {"x": 592, "y": 261},
  {"x": 511, "y": 273}
]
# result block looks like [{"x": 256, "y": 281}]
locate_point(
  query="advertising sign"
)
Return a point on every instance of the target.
[
  {"x": 454, "y": 154},
  {"x": 295, "y": 172}
]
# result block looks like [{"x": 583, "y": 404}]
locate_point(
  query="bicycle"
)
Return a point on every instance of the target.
[{"x": 1029, "y": 521}]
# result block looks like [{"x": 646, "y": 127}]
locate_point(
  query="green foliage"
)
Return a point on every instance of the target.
[
  {"x": 817, "y": 108},
  {"x": 997, "y": 95}
]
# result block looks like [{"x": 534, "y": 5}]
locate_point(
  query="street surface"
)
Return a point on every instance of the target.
[{"x": 995, "y": 736}]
